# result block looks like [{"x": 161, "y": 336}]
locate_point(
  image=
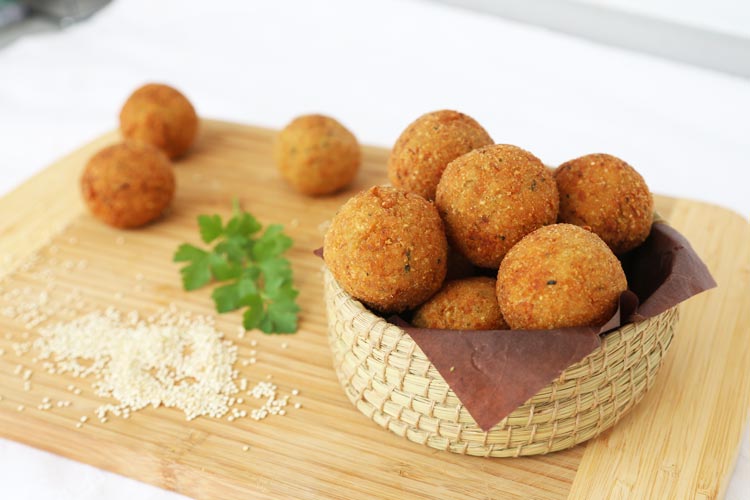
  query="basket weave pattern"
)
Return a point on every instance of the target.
[{"x": 389, "y": 379}]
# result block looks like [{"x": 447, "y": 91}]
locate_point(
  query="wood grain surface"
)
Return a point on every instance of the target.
[{"x": 681, "y": 441}]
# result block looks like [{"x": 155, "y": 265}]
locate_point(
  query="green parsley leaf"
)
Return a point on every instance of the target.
[
  {"x": 256, "y": 273},
  {"x": 210, "y": 227},
  {"x": 197, "y": 273}
]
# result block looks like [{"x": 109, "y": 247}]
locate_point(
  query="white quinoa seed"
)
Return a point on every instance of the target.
[
  {"x": 21, "y": 408},
  {"x": 145, "y": 363},
  {"x": 295, "y": 392},
  {"x": 298, "y": 405},
  {"x": 245, "y": 448}
]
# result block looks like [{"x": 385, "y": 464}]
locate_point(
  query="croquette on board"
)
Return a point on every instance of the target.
[
  {"x": 317, "y": 155},
  {"x": 559, "y": 276},
  {"x": 128, "y": 184},
  {"x": 162, "y": 116},
  {"x": 466, "y": 304},
  {"x": 426, "y": 147},
  {"x": 606, "y": 194},
  {"x": 387, "y": 248},
  {"x": 492, "y": 197}
]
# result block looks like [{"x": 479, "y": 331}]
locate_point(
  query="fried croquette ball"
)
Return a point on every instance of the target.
[
  {"x": 387, "y": 248},
  {"x": 317, "y": 155},
  {"x": 428, "y": 144},
  {"x": 606, "y": 194},
  {"x": 128, "y": 185},
  {"x": 559, "y": 276},
  {"x": 467, "y": 304},
  {"x": 492, "y": 197},
  {"x": 160, "y": 115}
]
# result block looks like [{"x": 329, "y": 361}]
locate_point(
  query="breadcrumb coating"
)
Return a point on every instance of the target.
[
  {"x": 317, "y": 155},
  {"x": 387, "y": 248},
  {"x": 128, "y": 184},
  {"x": 466, "y": 304},
  {"x": 428, "y": 144},
  {"x": 492, "y": 197},
  {"x": 559, "y": 276},
  {"x": 602, "y": 192},
  {"x": 161, "y": 116}
]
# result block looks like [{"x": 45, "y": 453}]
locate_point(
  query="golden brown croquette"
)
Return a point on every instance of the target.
[
  {"x": 492, "y": 197},
  {"x": 387, "y": 248},
  {"x": 559, "y": 276},
  {"x": 426, "y": 147},
  {"x": 160, "y": 115},
  {"x": 128, "y": 184},
  {"x": 606, "y": 194},
  {"x": 467, "y": 304},
  {"x": 317, "y": 155}
]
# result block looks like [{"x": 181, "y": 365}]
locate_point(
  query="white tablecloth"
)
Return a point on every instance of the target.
[{"x": 375, "y": 66}]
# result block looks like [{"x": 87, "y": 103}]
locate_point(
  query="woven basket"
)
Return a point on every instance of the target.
[{"x": 389, "y": 379}]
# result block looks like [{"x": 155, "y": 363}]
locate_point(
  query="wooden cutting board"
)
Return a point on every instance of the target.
[{"x": 680, "y": 442}]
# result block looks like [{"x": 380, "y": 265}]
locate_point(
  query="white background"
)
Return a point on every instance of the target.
[{"x": 375, "y": 66}]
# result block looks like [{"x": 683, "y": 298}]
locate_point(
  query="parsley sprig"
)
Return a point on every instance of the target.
[{"x": 259, "y": 276}]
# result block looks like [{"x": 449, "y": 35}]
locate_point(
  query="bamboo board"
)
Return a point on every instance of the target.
[{"x": 681, "y": 441}]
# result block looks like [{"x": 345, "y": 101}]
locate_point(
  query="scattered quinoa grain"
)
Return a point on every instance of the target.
[
  {"x": 21, "y": 408},
  {"x": 140, "y": 364},
  {"x": 245, "y": 448},
  {"x": 298, "y": 405},
  {"x": 295, "y": 392}
]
